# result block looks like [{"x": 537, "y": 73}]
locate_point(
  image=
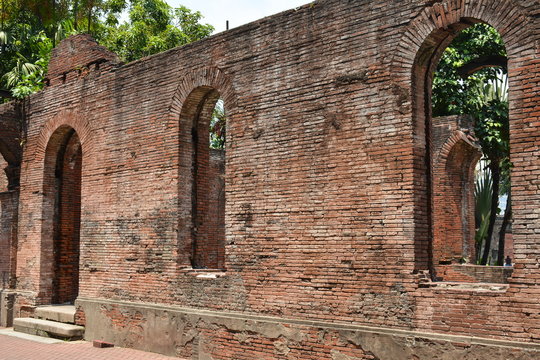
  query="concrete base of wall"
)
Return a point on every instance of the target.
[
  {"x": 211, "y": 335},
  {"x": 7, "y": 299}
]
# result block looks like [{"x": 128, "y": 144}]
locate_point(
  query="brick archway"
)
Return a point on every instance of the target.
[
  {"x": 208, "y": 77},
  {"x": 201, "y": 235},
  {"x": 62, "y": 147},
  {"x": 62, "y": 191},
  {"x": 453, "y": 196},
  {"x": 69, "y": 118},
  {"x": 434, "y": 28},
  {"x": 416, "y": 57}
]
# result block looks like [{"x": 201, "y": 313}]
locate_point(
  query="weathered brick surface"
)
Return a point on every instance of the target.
[
  {"x": 456, "y": 154},
  {"x": 68, "y": 62},
  {"x": 8, "y": 238},
  {"x": 67, "y": 220},
  {"x": 214, "y": 247},
  {"x": 221, "y": 335},
  {"x": 328, "y": 181},
  {"x": 475, "y": 273}
]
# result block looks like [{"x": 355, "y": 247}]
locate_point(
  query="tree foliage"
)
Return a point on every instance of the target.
[
  {"x": 218, "y": 126},
  {"x": 29, "y": 30},
  {"x": 483, "y": 192},
  {"x": 453, "y": 95},
  {"x": 154, "y": 27}
]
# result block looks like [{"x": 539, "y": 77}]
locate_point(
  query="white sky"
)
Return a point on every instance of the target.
[{"x": 238, "y": 12}]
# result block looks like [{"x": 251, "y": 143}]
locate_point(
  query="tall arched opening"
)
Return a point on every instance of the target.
[
  {"x": 449, "y": 166},
  {"x": 61, "y": 217},
  {"x": 202, "y": 179}
]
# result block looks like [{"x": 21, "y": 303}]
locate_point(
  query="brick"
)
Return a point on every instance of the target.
[
  {"x": 101, "y": 344},
  {"x": 321, "y": 208}
]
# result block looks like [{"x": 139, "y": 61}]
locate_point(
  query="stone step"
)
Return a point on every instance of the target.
[
  {"x": 48, "y": 328},
  {"x": 60, "y": 313}
]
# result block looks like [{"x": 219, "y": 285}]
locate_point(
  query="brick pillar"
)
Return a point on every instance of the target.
[{"x": 455, "y": 158}]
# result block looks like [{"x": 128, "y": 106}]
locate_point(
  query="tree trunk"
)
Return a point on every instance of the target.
[
  {"x": 478, "y": 251},
  {"x": 75, "y": 13},
  {"x": 502, "y": 232},
  {"x": 496, "y": 175},
  {"x": 90, "y": 7},
  {"x": 53, "y": 21}
]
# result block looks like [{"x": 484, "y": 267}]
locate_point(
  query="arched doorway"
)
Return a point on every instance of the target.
[{"x": 62, "y": 214}]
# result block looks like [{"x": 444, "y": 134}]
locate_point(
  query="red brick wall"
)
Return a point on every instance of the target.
[
  {"x": 328, "y": 211},
  {"x": 8, "y": 238},
  {"x": 224, "y": 344},
  {"x": 509, "y": 245},
  {"x": 456, "y": 155},
  {"x": 216, "y": 209},
  {"x": 474, "y": 273},
  {"x": 426, "y": 38},
  {"x": 68, "y": 62}
]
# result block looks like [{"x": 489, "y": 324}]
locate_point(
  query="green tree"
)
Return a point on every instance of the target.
[
  {"x": 483, "y": 193},
  {"x": 218, "y": 126},
  {"x": 493, "y": 133},
  {"x": 455, "y": 91},
  {"x": 29, "y": 30},
  {"x": 154, "y": 27}
]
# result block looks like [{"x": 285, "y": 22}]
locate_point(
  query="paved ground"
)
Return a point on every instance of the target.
[{"x": 34, "y": 348}]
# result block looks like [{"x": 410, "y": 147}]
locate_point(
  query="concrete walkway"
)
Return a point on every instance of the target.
[{"x": 18, "y": 346}]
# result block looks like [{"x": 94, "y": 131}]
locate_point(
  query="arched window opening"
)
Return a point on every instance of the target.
[
  {"x": 62, "y": 216},
  {"x": 202, "y": 157},
  {"x": 470, "y": 224},
  {"x": 216, "y": 176}
]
